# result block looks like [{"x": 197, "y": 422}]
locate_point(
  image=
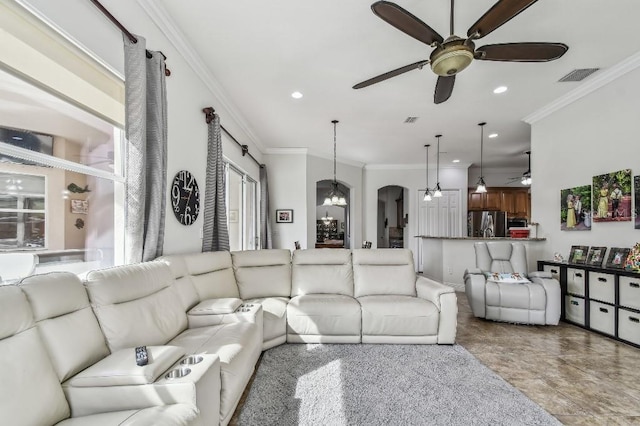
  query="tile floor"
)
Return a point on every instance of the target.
[{"x": 580, "y": 377}]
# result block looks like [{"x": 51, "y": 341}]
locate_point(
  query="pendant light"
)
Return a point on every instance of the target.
[
  {"x": 437, "y": 191},
  {"x": 526, "y": 176},
  {"x": 335, "y": 197},
  {"x": 326, "y": 219},
  {"x": 482, "y": 187},
  {"x": 427, "y": 191}
]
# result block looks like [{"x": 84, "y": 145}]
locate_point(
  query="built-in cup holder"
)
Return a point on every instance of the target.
[
  {"x": 246, "y": 305},
  {"x": 192, "y": 359},
  {"x": 245, "y": 310},
  {"x": 177, "y": 373}
]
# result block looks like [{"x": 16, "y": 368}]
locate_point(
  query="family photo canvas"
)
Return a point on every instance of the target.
[{"x": 612, "y": 197}]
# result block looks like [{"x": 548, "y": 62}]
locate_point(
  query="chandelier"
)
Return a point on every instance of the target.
[
  {"x": 482, "y": 187},
  {"x": 335, "y": 197},
  {"x": 326, "y": 219}
]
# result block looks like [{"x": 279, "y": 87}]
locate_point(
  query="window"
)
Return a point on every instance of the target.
[
  {"x": 242, "y": 215},
  {"x": 22, "y": 212}
]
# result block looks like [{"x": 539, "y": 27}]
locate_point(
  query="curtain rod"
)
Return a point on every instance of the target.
[
  {"x": 208, "y": 113},
  {"x": 126, "y": 32}
]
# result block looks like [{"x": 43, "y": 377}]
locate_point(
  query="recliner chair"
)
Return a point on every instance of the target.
[{"x": 500, "y": 289}]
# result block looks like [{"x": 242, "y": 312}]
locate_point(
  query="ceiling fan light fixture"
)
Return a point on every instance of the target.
[
  {"x": 526, "y": 179},
  {"x": 452, "y": 57}
]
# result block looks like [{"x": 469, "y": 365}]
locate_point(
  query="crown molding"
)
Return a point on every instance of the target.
[
  {"x": 414, "y": 166},
  {"x": 591, "y": 85},
  {"x": 165, "y": 23}
]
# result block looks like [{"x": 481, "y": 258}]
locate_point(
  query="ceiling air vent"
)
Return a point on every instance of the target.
[
  {"x": 579, "y": 74},
  {"x": 410, "y": 120}
]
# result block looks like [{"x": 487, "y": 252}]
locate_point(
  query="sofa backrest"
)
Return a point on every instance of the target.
[
  {"x": 30, "y": 393},
  {"x": 262, "y": 273},
  {"x": 501, "y": 256},
  {"x": 383, "y": 271},
  {"x": 210, "y": 273},
  {"x": 322, "y": 271},
  {"x": 66, "y": 322},
  {"x": 136, "y": 304}
]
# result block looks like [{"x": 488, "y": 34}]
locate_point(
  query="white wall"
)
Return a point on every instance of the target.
[
  {"x": 595, "y": 135},
  {"x": 412, "y": 178},
  {"x": 187, "y": 94},
  {"x": 287, "y": 174},
  {"x": 495, "y": 177}
]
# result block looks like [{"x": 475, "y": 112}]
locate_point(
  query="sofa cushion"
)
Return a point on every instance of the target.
[
  {"x": 323, "y": 271},
  {"x": 274, "y": 317},
  {"x": 30, "y": 393},
  {"x": 384, "y": 271},
  {"x": 136, "y": 304},
  {"x": 398, "y": 316},
  {"x": 501, "y": 256},
  {"x": 323, "y": 314},
  {"x": 524, "y": 296},
  {"x": 163, "y": 415},
  {"x": 66, "y": 322},
  {"x": 211, "y": 273},
  {"x": 262, "y": 273}
]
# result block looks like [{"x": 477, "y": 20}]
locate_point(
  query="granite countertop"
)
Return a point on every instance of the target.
[{"x": 481, "y": 238}]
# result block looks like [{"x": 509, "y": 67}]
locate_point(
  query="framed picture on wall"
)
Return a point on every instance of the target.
[
  {"x": 596, "y": 256},
  {"x": 578, "y": 254},
  {"x": 284, "y": 216},
  {"x": 617, "y": 257}
]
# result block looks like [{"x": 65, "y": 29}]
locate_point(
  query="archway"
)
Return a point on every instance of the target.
[
  {"x": 332, "y": 222},
  {"x": 392, "y": 217}
]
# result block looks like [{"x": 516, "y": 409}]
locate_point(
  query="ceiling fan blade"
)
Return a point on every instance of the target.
[
  {"x": 521, "y": 52},
  {"x": 500, "y": 13},
  {"x": 406, "y": 22},
  {"x": 444, "y": 87},
  {"x": 390, "y": 74}
]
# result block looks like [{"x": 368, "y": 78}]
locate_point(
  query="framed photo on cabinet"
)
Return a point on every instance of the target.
[
  {"x": 596, "y": 256},
  {"x": 617, "y": 257},
  {"x": 578, "y": 255}
]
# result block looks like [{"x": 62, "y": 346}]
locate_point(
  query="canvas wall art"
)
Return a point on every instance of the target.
[
  {"x": 636, "y": 186},
  {"x": 612, "y": 197},
  {"x": 575, "y": 213}
]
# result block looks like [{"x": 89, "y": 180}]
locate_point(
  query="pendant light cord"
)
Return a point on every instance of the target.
[
  {"x": 427, "y": 166},
  {"x": 481, "y": 145},
  {"x": 438, "y": 161},
  {"x": 335, "y": 122}
]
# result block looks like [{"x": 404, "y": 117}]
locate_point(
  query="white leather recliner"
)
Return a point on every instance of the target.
[{"x": 500, "y": 289}]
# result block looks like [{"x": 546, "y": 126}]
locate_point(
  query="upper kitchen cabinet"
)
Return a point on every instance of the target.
[{"x": 515, "y": 201}]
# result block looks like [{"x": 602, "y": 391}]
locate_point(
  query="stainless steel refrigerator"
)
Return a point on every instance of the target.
[{"x": 486, "y": 224}]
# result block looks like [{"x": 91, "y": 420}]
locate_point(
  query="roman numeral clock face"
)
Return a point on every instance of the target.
[{"x": 185, "y": 198}]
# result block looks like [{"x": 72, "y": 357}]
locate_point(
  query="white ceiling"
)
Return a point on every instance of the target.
[{"x": 262, "y": 51}]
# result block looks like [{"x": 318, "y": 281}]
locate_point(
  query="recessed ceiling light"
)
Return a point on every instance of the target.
[
  {"x": 296, "y": 95},
  {"x": 456, "y": 161},
  {"x": 493, "y": 135},
  {"x": 500, "y": 89}
]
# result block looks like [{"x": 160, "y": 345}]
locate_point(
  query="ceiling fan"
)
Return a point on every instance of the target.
[
  {"x": 525, "y": 179},
  {"x": 454, "y": 54}
]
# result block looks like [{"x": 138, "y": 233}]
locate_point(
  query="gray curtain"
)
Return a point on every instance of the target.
[
  {"x": 215, "y": 235},
  {"x": 265, "y": 220},
  {"x": 145, "y": 151}
]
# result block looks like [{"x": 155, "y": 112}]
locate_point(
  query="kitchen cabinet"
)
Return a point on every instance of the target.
[{"x": 515, "y": 201}]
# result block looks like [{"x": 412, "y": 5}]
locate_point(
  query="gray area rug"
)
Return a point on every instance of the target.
[{"x": 299, "y": 384}]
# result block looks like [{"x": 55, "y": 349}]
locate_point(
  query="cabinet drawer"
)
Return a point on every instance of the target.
[
  {"x": 602, "y": 317},
  {"x": 602, "y": 287},
  {"x": 629, "y": 326},
  {"x": 574, "y": 309},
  {"x": 629, "y": 292},
  {"x": 575, "y": 281},
  {"x": 553, "y": 270}
]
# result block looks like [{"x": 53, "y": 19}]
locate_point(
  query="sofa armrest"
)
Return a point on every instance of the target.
[
  {"x": 244, "y": 312},
  {"x": 474, "y": 284},
  {"x": 553, "y": 296},
  {"x": 120, "y": 368},
  {"x": 540, "y": 274},
  {"x": 472, "y": 271},
  {"x": 445, "y": 299}
]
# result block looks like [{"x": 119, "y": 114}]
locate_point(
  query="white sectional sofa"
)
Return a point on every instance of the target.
[{"x": 68, "y": 348}]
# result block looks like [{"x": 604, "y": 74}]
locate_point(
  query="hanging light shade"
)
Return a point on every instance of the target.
[
  {"x": 482, "y": 187},
  {"x": 437, "y": 191},
  {"x": 335, "y": 197},
  {"x": 526, "y": 176},
  {"x": 326, "y": 219},
  {"x": 427, "y": 191}
]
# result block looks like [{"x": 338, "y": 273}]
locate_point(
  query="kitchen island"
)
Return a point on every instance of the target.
[{"x": 445, "y": 259}]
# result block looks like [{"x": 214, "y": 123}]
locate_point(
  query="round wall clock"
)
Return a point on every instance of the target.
[{"x": 185, "y": 197}]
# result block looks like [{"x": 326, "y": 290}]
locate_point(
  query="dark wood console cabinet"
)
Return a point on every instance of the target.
[{"x": 603, "y": 300}]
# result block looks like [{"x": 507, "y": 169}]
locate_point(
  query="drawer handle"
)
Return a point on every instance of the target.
[
  {"x": 578, "y": 275},
  {"x": 634, "y": 285},
  {"x": 634, "y": 319},
  {"x": 602, "y": 280},
  {"x": 573, "y": 302},
  {"x": 554, "y": 271},
  {"x": 605, "y": 310}
]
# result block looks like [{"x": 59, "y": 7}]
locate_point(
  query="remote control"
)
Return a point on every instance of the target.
[{"x": 141, "y": 356}]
